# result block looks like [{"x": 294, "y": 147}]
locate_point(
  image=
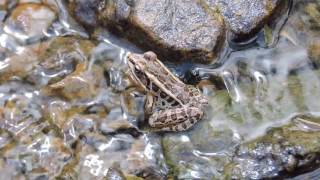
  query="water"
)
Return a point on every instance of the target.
[{"x": 67, "y": 112}]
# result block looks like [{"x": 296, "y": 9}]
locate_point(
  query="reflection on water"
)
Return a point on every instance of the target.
[
  {"x": 67, "y": 110},
  {"x": 261, "y": 82}
]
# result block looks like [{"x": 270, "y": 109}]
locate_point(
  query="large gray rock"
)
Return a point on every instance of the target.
[
  {"x": 177, "y": 30},
  {"x": 245, "y": 16}
]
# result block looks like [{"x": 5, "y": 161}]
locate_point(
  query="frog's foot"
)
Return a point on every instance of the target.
[{"x": 175, "y": 119}]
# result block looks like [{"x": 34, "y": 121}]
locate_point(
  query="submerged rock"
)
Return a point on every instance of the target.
[
  {"x": 81, "y": 84},
  {"x": 19, "y": 65},
  {"x": 43, "y": 156},
  {"x": 29, "y": 22},
  {"x": 303, "y": 28},
  {"x": 283, "y": 152},
  {"x": 59, "y": 58},
  {"x": 99, "y": 155}
]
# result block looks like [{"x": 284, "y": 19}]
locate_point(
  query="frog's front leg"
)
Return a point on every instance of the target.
[
  {"x": 149, "y": 104},
  {"x": 175, "y": 119}
]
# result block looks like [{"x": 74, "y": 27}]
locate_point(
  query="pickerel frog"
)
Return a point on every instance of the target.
[{"x": 170, "y": 104}]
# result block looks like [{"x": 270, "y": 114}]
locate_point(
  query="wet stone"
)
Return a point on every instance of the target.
[
  {"x": 19, "y": 65},
  {"x": 191, "y": 156},
  {"x": 80, "y": 85},
  {"x": 85, "y": 11},
  {"x": 42, "y": 156},
  {"x": 28, "y": 22},
  {"x": 284, "y": 151},
  {"x": 20, "y": 108},
  {"x": 245, "y": 16},
  {"x": 178, "y": 30},
  {"x": 58, "y": 58},
  {"x": 314, "y": 52},
  {"x": 132, "y": 156}
]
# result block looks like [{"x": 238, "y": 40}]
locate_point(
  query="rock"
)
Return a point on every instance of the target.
[
  {"x": 283, "y": 152},
  {"x": 177, "y": 30},
  {"x": 180, "y": 30},
  {"x": 3, "y": 11},
  {"x": 116, "y": 123},
  {"x": 29, "y": 22},
  {"x": 311, "y": 175},
  {"x": 20, "y": 108},
  {"x": 59, "y": 58},
  {"x": 43, "y": 156},
  {"x": 45, "y": 61},
  {"x": 314, "y": 52},
  {"x": 19, "y": 65},
  {"x": 132, "y": 156},
  {"x": 245, "y": 17},
  {"x": 114, "y": 174},
  {"x": 302, "y": 27},
  {"x": 191, "y": 156},
  {"x": 81, "y": 84},
  {"x": 85, "y": 11}
]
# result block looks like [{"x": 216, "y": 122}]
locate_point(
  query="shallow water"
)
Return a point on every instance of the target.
[{"x": 66, "y": 111}]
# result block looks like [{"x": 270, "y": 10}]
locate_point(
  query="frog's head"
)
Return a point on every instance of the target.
[{"x": 139, "y": 65}]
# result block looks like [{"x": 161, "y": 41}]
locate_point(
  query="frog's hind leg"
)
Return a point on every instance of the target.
[{"x": 175, "y": 119}]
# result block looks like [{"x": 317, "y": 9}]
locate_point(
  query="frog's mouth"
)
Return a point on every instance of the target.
[{"x": 136, "y": 75}]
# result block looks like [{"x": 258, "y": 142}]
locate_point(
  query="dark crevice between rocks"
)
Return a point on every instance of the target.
[
  {"x": 132, "y": 131},
  {"x": 150, "y": 174},
  {"x": 307, "y": 163}
]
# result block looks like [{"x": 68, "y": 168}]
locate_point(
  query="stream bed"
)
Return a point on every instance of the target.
[{"x": 66, "y": 111}]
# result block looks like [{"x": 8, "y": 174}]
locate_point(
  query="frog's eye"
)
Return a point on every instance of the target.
[
  {"x": 151, "y": 56},
  {"x": 137, "y": 72}
]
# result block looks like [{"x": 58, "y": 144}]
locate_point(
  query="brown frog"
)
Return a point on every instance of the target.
[{"x": 171, "y": 105}]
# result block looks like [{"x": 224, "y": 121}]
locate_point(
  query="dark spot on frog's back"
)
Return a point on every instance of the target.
[
  {"x": 147, "y": 82},
  {"x": 170, "y": 100},
  {"x": 198, "y": 116},
  {"x": 191, "y": 120},
  {"x": 174, "y": 116},
  {"x": 175, "y": 103},
  {"x": 155, "y": 88},
  {"x": 162, "y": 94},
  {"x": 184, "y": 125},
  {"x": 163, "y": 119}
]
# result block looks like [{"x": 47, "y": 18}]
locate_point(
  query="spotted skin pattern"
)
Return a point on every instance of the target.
[
  {"x": 171, "y": 104},
  {"x": 175, "y": 119}
]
